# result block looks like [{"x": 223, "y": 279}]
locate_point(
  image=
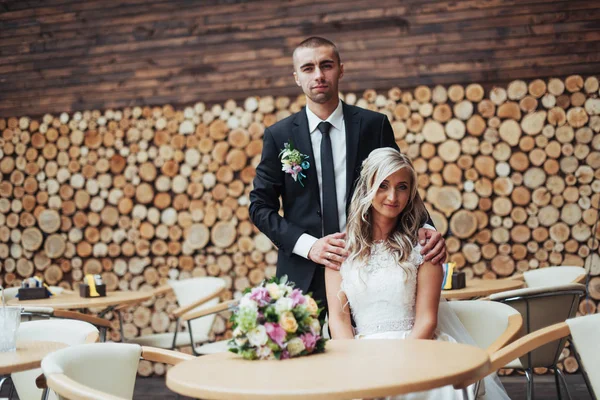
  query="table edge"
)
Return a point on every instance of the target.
[{"x": 314, "y": 394}]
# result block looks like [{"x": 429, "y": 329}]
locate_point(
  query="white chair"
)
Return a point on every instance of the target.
[
  {"x": 101, "y": 371},
  {"x": 541, "y": 307},
  {"x": 195, "y": 295},
  {"x": 584, "y": 335},
  {"x": 490, "y": 325},
  {"x": 69, "y": 332},
  {"x": 215, "y": 347},
  {"x": 553, "y": 276}
]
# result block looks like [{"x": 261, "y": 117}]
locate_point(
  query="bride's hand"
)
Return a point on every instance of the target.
[{"x": 329, "y": 251}]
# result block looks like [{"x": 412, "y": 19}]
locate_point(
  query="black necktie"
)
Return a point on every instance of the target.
[{"x": 331, "y": 222}]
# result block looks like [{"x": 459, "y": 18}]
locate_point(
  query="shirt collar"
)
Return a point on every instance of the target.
[{"x": 336, "y": 118}]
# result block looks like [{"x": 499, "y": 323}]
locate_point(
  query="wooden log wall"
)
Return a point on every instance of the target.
[
  {"x": 68, "y": 55},
  {"x": 511, "y": 177}
]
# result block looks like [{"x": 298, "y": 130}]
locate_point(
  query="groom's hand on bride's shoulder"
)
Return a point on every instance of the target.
[
  {"x": 434, "y": 245},
  {"x": 329, "y": 251}
]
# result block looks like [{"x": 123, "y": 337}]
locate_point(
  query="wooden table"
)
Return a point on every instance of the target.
[
  {"x": 482, "y": 287},
  {"x": 348, "y": 369},
  {"x": 28, "y": 355},
  {"x": 74, "y": 301}
]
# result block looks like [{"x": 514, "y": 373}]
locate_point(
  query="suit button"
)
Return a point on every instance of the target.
[{"x": 319, "y": 213}]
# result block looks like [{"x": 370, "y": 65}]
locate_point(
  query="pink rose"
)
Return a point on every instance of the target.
[
  {"x": 310, "y": 341},
  {"x": 297, "y": 297},
  {"x": 261, "y": 296},
  {"x": 276, "y": 333},
  {"x": 285, "y": 355}
]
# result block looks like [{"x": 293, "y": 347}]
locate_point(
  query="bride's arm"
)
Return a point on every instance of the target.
[
  {"x": 340, "y": 326},
  {"x": 429, "y": 283}
]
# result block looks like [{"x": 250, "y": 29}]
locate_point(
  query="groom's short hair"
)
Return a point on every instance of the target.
[{"x": 316, "y": 41}]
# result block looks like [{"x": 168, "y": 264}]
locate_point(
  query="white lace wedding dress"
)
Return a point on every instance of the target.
[{"x": 382, "y": 295}]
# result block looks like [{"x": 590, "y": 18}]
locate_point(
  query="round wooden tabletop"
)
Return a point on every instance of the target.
[
  {"x": 348, "y": 369},
  {"x": 28, "y": 355},
  {"x": 74, "y": 301},
  {"x": 482, "y": 287}
]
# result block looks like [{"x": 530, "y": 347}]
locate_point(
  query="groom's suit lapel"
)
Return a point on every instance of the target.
[
  {"x": 352, "y": 123},
  {"x": 302, "y": 142}
]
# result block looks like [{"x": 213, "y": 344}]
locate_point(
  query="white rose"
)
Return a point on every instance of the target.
[
  {"x": 287, "y": 290},
  {"x": 241, "y": 341},
  {"x": 258, "y": 336},
  {"x": 283, "y": 304},
  {"x": 315, "y": 326},
  {"x": 264, "y": 353},
  {"x": 273, "y": 290},
  {"x": 295, "y": 346},
  {"x": 237, "y": 332},
  {"x": 248, "y": 303}
]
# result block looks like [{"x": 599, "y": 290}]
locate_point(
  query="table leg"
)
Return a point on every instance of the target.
[
  {"x": 105, "y": 311},
  {"x": 104, "y": 331},
  {"x": 3, "y": 380},
  {"x": 121, "y": 326}
]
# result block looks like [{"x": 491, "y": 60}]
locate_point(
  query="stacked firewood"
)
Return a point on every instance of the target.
[{"x": 141, "y": 195}]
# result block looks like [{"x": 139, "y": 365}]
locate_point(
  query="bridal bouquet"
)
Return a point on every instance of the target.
[{"x": 276, "y": 321}]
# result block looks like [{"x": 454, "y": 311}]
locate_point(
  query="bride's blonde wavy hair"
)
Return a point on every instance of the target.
[{"x": 380, "y": 164}]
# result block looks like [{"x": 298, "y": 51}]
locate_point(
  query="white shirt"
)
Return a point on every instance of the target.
[{"x": 338, "y": 148}]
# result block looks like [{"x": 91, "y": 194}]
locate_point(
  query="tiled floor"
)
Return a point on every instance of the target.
[{"x": 154, "y": 388}]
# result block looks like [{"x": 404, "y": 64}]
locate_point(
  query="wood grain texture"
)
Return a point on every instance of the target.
[
  {"x": 161, "y": 192},
  {"x": 60, "y": 56}
]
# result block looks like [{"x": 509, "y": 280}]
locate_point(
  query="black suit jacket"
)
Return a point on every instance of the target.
[{"x": 365, "y": 131}]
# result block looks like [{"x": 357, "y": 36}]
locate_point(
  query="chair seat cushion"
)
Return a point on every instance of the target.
[
  {"x": 212, "y": 348},
  {"x": 165, "y": 340}
]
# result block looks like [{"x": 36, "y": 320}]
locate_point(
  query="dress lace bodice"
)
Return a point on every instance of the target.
[
  {"x": 382, "y": 296},
  {"x": 382, "y": 293}
]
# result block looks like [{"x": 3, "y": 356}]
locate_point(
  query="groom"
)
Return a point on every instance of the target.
[{"x": 336, "y": 138}]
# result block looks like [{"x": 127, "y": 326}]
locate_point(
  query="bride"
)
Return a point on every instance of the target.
[{"x": 391, "y": 291}]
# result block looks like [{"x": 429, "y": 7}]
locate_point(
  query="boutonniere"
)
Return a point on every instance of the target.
[{"x": 293, "y": 162}]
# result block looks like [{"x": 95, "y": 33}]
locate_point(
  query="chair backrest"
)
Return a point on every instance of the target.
[
  {"x": 542, "y": 307},
  {"x": 485, "y": 321},
  {"x": 109, "y": 368},
  {"x": 11, "y": 293},
  {"x": 559, "y": 275},
  {"x": 65, "y": 331},
  {"x": 584, "y": 332},
  {"x": 69, "y": 332},
  {"x": 189, "y": 290}
]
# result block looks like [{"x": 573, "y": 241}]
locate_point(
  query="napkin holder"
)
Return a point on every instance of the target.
[
  {"x": 33, "y": 293},
  {"x": 453, "y": 279},
  {"x": 84, "y": 290},
  {"x": 459, "y": 280}
]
